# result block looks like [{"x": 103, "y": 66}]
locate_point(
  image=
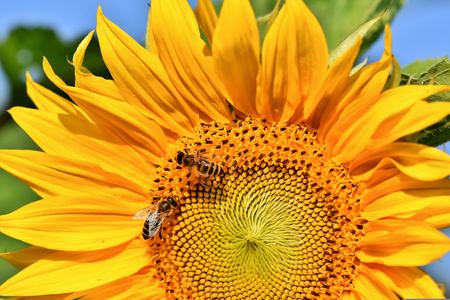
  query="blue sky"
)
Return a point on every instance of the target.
[{"x": 420, "y": 31}]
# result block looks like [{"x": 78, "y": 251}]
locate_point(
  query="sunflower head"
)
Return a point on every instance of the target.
[
  {"x": 226, "y": 169},
  {"x": 282, "y": 216}
]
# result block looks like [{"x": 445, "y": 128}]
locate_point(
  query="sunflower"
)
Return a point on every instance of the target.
[{"x": 288, "y": 175}]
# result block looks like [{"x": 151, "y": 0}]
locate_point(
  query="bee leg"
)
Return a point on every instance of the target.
[
  {"x": 160, "y": 233},
  {"x": 202, "y": 183},
  {"x": 200, "y": 178}
]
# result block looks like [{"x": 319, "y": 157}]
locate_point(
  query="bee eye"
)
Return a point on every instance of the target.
[
  {"x": 172, "y": 202},
  {"x": 180, "y": 158}
]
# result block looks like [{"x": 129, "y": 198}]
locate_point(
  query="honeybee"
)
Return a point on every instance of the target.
[
  {"x": 154, "y": 216},
  {"x": 204, "y": 167}
]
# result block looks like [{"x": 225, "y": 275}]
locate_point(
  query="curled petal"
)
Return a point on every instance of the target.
[
  {"x": 408, "y": 282},
  {"x": 86, "y": 80},
  {"x": 417, "y": 161},
  {"x": 402, "y": 243}
]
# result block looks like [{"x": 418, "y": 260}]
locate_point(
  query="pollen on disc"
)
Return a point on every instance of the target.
[{"x": 281, "y": 222}]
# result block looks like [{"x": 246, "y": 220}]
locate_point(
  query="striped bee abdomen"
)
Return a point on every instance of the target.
[{"x": 208, "y": 168}]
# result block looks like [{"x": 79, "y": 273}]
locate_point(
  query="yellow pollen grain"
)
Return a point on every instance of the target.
[{"x": 281, "y": 222}]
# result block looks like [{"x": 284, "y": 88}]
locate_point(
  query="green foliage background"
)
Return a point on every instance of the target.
[{"x": 24, "y": 48}]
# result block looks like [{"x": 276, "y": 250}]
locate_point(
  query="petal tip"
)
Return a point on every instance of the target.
[
  {"x": 100, "y": 16},
  {"x": 99, "y": 11}
]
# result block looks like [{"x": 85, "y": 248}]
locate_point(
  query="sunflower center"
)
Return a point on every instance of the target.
[{"x": 281, "y": 220}]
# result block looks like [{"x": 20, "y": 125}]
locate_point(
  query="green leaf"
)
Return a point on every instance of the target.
[
  {"x": 436, "y": 135},
  {"x": 350, "y": 40},
  {"x": 340, "y": 18},
  {"x": 432, "y": 71},
  {"x": 419, "y": 67}
]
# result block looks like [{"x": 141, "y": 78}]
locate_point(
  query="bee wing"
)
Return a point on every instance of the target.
[
  {"x": 154, "y": 222},
  {"x": 145, "y": 212},
  {"x": 213, "y": 157}
]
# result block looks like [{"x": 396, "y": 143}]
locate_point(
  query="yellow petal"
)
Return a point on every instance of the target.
[
  {"x": 235, "y": 50},
  {"x": 132, "y": 287},
  {"x": 47, "y": 100},
  {"x": 118, "y": 118},
  {"x": 438, "y": 221},
  {"x": 142, "y": 79},
  {"x": 350, "y": 295},
  {"x": 351, "y": 138},
  {"x": 65, "y": 272},
  {"x": 294, "y": 63},
  {"x": 398, "y": 182},
  {"x": 436, "y": 215},
  {"x": 50, "y": 175},
  {"x": 80, "y": 223},
  {"x": 366, "y": 83},
  {"x": 144, "y": 135},
  {"x": 379, "y": 176},
  {"x": 336, "y": 82},
  {"x": 182, "y": 52},
  {"x": 66, "y": 296},
  {"x": 414, "y": 119},
  {"x": 86, "y": 80},
  {"x": 402, "y": 203},
  {"x": 407, "y": 282},
  {"x": 367, "y": 286},
  {"x": 402, "y": 243},
  {"x": 66, "y": 135},
  {"x": 26, "y": 256},
  {"x": 207, "y": 18},
  {"x": 417, "y": 161},
  {"x": 375, "y": 75}
]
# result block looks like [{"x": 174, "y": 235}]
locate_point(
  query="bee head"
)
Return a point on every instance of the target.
[
  {"x": 185, "y": 159},
  {"x": 172, "y": 201}
]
